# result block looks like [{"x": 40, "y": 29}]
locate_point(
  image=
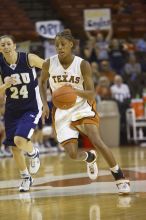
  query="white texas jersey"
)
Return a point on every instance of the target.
[{"x": 60, "y": 76}]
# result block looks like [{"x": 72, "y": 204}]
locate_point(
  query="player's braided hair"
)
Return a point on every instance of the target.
[
  {"x": 66, "y": 33},
  {"x": 8, "y": 36}
]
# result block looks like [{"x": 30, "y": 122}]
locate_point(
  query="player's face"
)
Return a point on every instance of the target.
[
  {"x": 63, "y": 47},
  {"x": 7, "y": 46}
]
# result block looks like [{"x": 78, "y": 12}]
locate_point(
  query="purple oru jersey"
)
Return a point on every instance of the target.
[
  {"x": 25, "y": 94},
  {"x": 23, "y": 101}
]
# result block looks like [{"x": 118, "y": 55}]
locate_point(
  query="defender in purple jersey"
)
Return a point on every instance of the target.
[{"x": 23, "y": 105}]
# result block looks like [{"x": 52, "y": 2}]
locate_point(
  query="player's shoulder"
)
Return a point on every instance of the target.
[
  {"x": 81, "y": 59},
  {"x": 78, "y": 58},
  {"x": 84, "y": 63},
  {"x": 85, "y": 66},
  {"x": 53, "y": 60},
  {"x": 54, "y": 57},
  {"x": 22, "y": 54}
]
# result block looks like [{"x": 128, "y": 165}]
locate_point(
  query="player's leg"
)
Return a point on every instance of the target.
[
  {"x": 92, "y": 132},
  {"x": 71, "y": 147},
  {"x": 20, "y": 162},
  {"x": 19, "y": 158},
  {"x": 10, "y": 127},
  {"x": 67, "y": 136},
  {"x": 23, "y": 134},
  {"x": 24, "y": 173},
  {"x": 32, "y": 152}
]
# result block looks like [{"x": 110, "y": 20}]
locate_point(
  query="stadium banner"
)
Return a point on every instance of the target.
[
  {"x": 97, "y": 19},
  {"x": 48, "y": 29}
]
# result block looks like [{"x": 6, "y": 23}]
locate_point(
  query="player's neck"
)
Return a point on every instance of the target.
[
  {"x": 67, "y": 60},
  {"x": 12, "y": 58}
]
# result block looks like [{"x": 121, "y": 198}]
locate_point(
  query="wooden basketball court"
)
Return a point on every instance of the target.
[{"x": 63, "y": 191}]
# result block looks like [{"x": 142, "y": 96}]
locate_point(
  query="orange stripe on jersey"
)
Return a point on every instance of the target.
[
  {"x": 72, "y": 140},
  {"x": 88, "y": 120}
]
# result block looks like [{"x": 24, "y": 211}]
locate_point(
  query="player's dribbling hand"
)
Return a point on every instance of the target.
[
  {"x": 67, "y": 84},
  {"x": 45, "y": 113},
  {"x": 9, "y": 81}
]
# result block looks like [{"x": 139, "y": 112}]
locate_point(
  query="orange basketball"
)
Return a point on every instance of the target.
[{"x": 64, "y": 97}]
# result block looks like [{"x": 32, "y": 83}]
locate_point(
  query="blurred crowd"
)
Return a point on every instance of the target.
[{"x": 119, "y": 70}]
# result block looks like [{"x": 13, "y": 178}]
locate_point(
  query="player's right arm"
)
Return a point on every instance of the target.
[
  {"x": 43, "y": 88},
  {"x": 8, "y": 81}
]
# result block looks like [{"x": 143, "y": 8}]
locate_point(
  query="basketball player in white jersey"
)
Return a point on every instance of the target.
[{"x": 66, "y": 68}]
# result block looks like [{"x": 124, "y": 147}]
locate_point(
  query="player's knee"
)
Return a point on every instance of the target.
[
  {"x": 15, "y": 150},
  {"x": 73, "y": 155},
  {"x": 71, "y": 150},
  {"x": 19, "y": 141}
]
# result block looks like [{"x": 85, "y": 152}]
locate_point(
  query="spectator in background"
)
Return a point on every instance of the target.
[
  {"x": 117, "y": 56},
  {"x": 132, "y": 75},
  {"x": 101, "y": 46},
  {"x": 141, "y": 44},
  {"x": 129, "y": 45},
  {"x": 120, "y": 91},
  {"x": 143, "y": 68},
  {"x": 106, "y": 70},
  {"x": 87, "y": 54},
  {"x": 77, "y": 49},
  {"x": 102, "y": 89},
  {"x": 121, "y": 94},
  {"x": 91, "y": 36},
  {"x": 121, "y": 6},
  {"x": 95, "y": 72}
]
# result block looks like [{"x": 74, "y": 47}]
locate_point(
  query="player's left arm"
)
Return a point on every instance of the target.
[
  {"x": 88, "y": 91},
  {"x": 35, "y": 60}
]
